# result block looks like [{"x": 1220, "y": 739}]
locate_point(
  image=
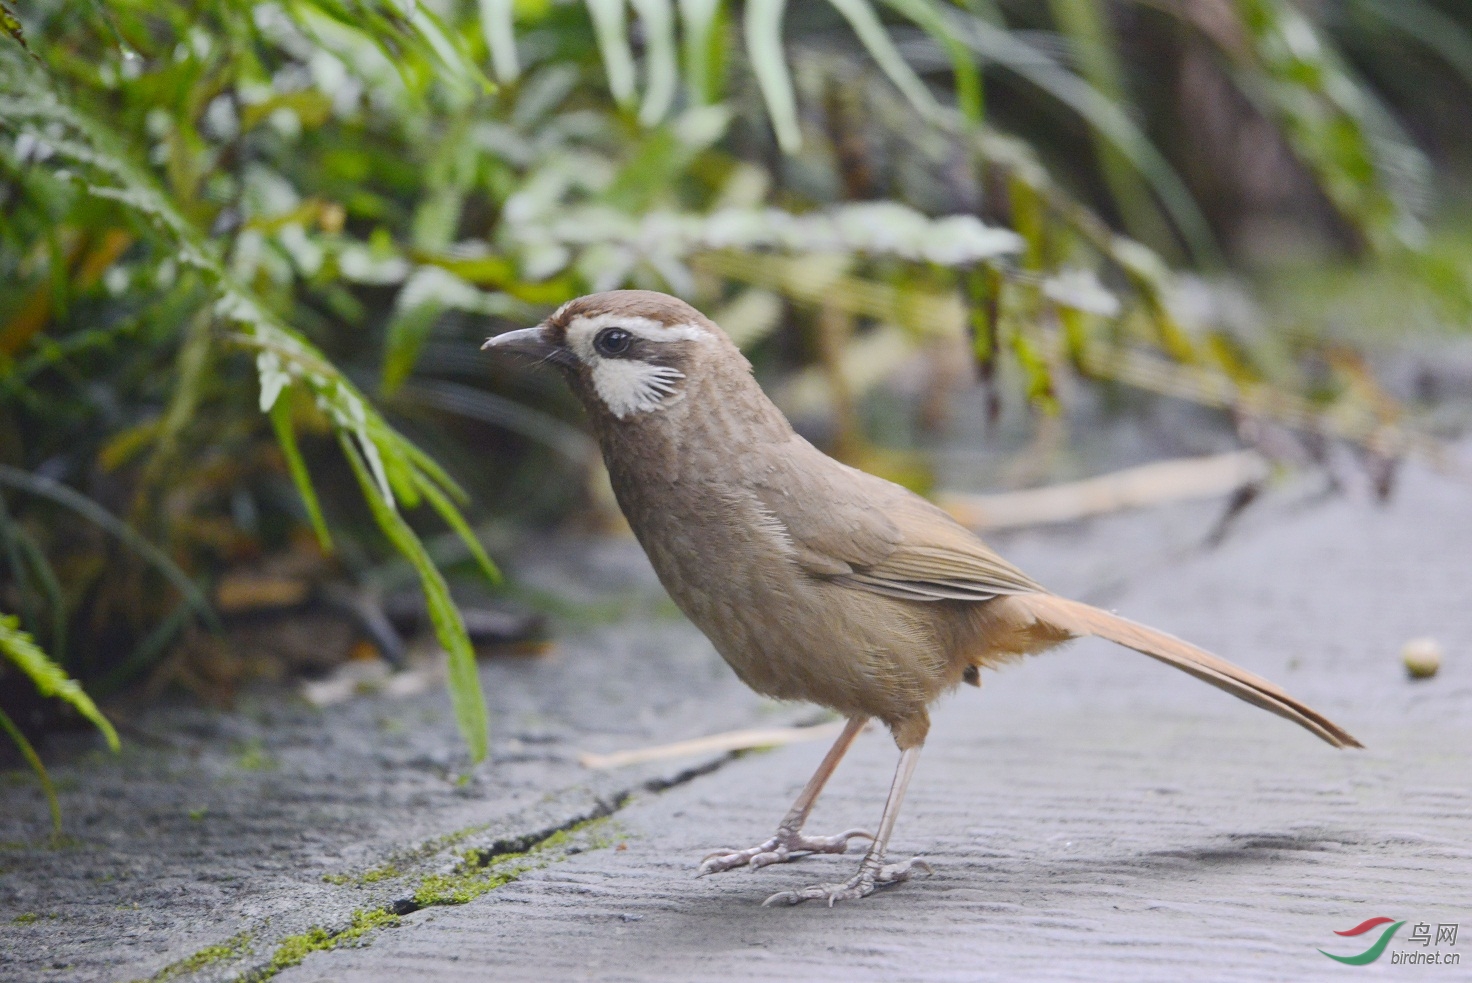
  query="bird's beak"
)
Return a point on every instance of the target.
[{"x": 528, "y": 341}]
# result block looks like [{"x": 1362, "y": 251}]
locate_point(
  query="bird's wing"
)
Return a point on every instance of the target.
[{"x": 857, "y": 529}]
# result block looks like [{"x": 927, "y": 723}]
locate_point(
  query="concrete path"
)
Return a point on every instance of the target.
[{"x": 1090, "y": 814}]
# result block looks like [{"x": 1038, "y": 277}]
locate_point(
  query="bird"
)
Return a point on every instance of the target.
[{"x": 815, "y": 581}]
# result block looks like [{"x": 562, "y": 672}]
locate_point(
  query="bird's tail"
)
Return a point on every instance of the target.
[{"x": 1082, "y": 619}]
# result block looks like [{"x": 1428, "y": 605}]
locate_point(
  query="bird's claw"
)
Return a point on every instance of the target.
[
  {"x": 861, "y": 885},
  {"x": 778, "y": 850}
]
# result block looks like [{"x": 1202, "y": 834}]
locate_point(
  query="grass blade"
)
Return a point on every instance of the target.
[
  {"x": 496, "y": 23},
  {"x": 698, "y": 19},
  {"x": 1087, "y": 25},
  {"x": 297, "y": 467},
  {"x": 661, "y": 65},
  {"x": 969, "y": 96},
  {"x": 763, "y": 28},
  {"x": 1106, "y": 117},
  {"x": 1428, "y": 26},
  {"x": 458, "y": 65},
  {"x": 876, "y": 40},
  {"x": 15, "y": 559},
  {"x": 610, "y": 23},
  {"x": 464, "y": 679},
  {"x": 498, "y": 411},
  {"x": 72, "y": 499},
  {"x": 407, "y": 332},
  {"x": 34, "y": 760},
  {"x": 50, "y": 586},
  {"x": 447, "y": 511}
]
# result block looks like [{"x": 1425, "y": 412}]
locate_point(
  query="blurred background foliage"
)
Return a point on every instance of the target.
[{"x": 250, "y": 249}]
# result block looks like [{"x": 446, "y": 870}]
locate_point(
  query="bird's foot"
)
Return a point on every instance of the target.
[
  {"x": 861, "y": 885},
  {"x": 778, "y": 850}
]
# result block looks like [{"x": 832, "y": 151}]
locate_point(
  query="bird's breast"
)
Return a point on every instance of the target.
[{"x": 728, "y": 564}]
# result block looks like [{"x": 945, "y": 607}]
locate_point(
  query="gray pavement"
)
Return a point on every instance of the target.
[{"x": 1090, "y": 814}]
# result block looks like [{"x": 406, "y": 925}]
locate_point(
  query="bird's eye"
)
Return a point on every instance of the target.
[{"x": 612, "y": 342}]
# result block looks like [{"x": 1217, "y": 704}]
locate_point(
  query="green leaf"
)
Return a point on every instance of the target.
[
  {"x": 1088, "y": 26},
  {"x": 610, "y": 23},
  {"x": 465, "y": 692},
  {"x": 11, "y": 25},
  {"x": 1106, "y": 117},
  {"x": 283, "y": 357},
  {"x": 1339, "y": 128},
  {"x": 48, "y": 677},
  {"x": 698, "y": 29},
  {"x": 67, "y": 497},
  {"x": 461, "y": 69},
  {"x": 34, "y": 760},
  {"x": 447, "y": 511},
  {"x": 861, "y": 17},
  {"x": 1428, "y": 26},
  {"x": 407, "y": 332},
  {"x": 496, "y": 23},
  {"x": 969, "y": 98},
  {"x": 297, "y": 467},
  {"x": 763, "y": 28},
  {"x": 661, "y": 66}
]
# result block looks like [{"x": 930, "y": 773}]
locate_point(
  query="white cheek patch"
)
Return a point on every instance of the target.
[
  {"x": 628, "y": 386},
  {"x": 582, "y": 330}
]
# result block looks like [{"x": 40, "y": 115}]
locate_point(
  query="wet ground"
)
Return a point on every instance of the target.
[{"x": 1089, "y": 814}]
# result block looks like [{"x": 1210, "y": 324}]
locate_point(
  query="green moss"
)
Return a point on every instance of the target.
[
  {"x": 253, "y": 756},
  {"x": 208, "y": 956},
  {"x": 25, "y": 918},
  {"x": 480, "y": 871},
  {"x": 384, "y": 872},
  {"x": 463, "y": 886},
  {"x": 293, "y": 949}
]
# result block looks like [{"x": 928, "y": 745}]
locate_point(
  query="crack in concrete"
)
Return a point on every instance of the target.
[{"x": 479, "y": 871}]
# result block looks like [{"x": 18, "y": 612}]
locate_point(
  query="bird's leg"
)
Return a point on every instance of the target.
[
  {"x": 790, "y": 839},
  {"x": 873, "y": 872}
]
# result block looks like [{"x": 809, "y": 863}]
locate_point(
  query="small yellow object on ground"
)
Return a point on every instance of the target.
[{"x": 1422, "y": 657}]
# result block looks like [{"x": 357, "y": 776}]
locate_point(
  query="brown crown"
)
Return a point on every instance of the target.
[{"x": 635, "y": 303}]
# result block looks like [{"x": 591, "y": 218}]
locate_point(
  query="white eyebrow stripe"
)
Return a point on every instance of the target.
[{"x": 581, "y": 331}]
